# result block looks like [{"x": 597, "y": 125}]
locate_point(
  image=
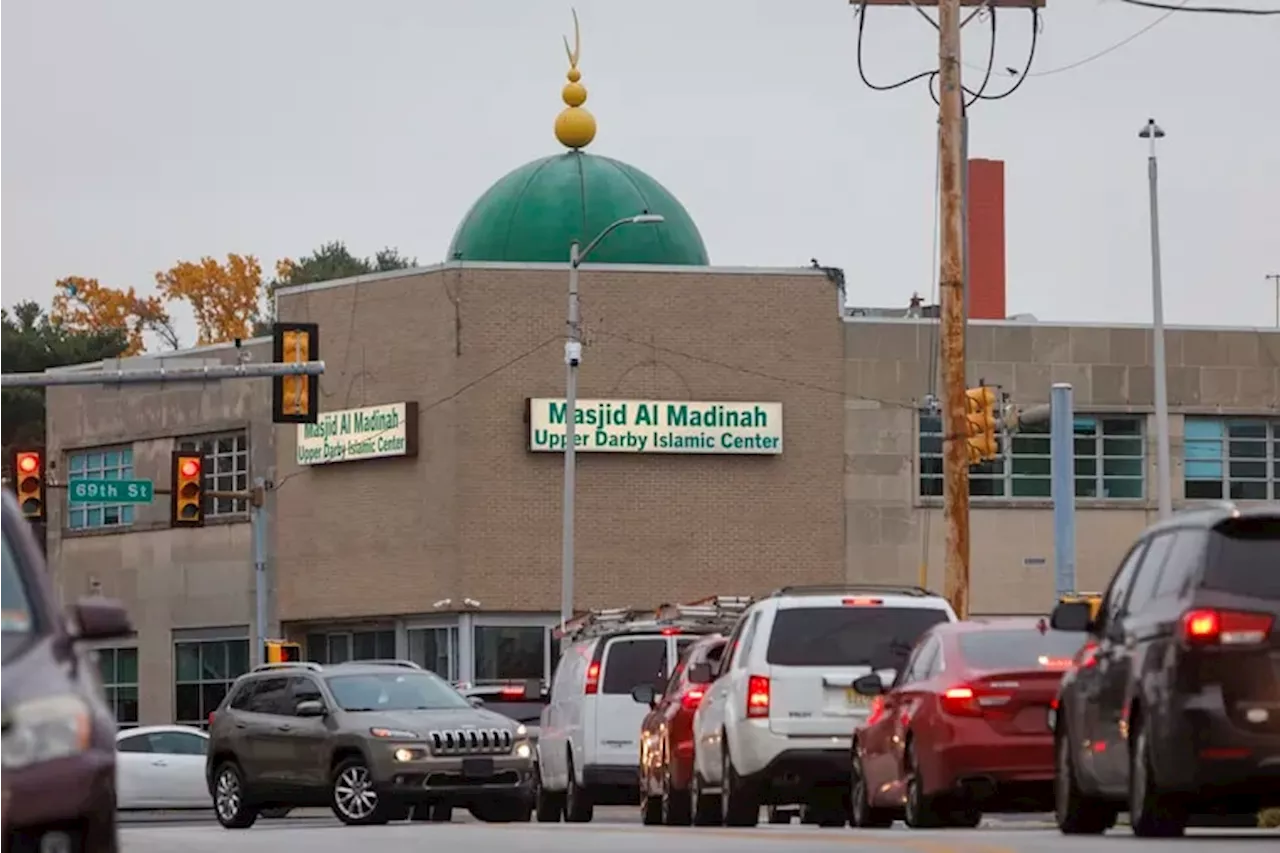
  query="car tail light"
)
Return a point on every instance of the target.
[
  {"x": 967, "y": 702},
  {"x": 212, "y": 714},
  {"x": 513, "y": 692},
  {"x": 876, "y": 714},
  {"x": 758, "y": 696},
  {"x": 862, "y": 602},
  {"x": 692, "y": 698},
  {"x": 1225, "y": 627},
  {"x": 667, "y": 632},
  {"x": 593, "y": 679},
  {"x": 1087, "y": 656}
]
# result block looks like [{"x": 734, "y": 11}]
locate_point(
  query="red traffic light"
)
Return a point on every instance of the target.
[
  {"x": 28, "y": 462},
  {"x": 190, "y": 467}
]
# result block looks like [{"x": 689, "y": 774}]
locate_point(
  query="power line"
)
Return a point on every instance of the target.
[{"x": 1206, "y": 10}]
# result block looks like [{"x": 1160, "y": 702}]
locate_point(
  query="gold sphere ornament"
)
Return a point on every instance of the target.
[{"x": 575, "y": 126}]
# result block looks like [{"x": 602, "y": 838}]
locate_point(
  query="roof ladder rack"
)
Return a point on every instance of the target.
[
  {"x": 847, "y": 588},
  {"x": 717, "y": 613}
]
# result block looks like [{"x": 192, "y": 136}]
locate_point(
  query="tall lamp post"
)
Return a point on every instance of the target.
[
  {"x": 572, "y": 358},
  {"x": 1151, "y": 132}
]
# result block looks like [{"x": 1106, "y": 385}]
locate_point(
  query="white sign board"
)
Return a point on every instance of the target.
[
  {"x": 658, "y": 426},
  {"x": 354, "y": 435}
]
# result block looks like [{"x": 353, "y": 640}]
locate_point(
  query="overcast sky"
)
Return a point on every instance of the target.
[{"x": 140, "y": 132}]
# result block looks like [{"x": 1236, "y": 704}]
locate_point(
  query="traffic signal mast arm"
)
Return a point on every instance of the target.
[{"x": 153, "y": 375}]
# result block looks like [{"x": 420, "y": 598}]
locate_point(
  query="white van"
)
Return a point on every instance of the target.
[{"x": 589, "y": 743}]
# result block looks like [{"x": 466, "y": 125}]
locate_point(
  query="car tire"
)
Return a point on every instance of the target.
[
  {"x": 677, "y": 805},
  {"x": 548, "y": 806},
  {"x": 965, "y": 817},
  {"x": 432, "y": 813},
  {"x": 650, "y": 810},
  {"x": 1075, "y": 812},
  {"x": 229, "y": 804},
  {"x": 1152, "y": 813},
  {"x": 353, "y": 798},
  {"x": 706, "y": 807},
  {"x": 862, "y": 815},
  {"x": 920, "y": 810},
  {"x": 578, "y": 807},
  {"x": 739, "y": 803}
]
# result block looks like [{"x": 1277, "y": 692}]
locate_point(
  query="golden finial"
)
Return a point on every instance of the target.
[{"x": 575, "y": 126}]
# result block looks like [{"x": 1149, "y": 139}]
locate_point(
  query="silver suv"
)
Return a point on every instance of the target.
[{"x": 374, "y": 740}]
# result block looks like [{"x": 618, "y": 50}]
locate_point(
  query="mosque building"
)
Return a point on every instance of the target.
[{"x": 740, "y": 429}]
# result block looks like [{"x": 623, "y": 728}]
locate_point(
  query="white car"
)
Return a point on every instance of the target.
[
  {"x": 161, "y": 767},
  {"x": 775, "y": 725}
]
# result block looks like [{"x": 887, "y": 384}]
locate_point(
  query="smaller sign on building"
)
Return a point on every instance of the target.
[
  {"x": 354, "y": 435},
  {"x": 658, "y": 426}
]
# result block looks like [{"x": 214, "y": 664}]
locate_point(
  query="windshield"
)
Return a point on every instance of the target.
[
  {"x": 1021, "y": 648},
  {"x": 19, "y": 621},
  {"x": 400, "y": 691},
  {"x": 878, "y": 637},
  {"x": 1244, "y": 558}
]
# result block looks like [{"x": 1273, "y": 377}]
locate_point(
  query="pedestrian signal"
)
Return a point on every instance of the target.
[
  {"x": 295, "y": 399},
  {"x": 281, "y": 651}
]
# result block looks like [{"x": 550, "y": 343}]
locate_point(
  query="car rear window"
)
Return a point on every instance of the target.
[
  {"x": 1244, "y": 558},
  {"x": 1020, "y": 649},
  {"x": 522, "y": 711},
  {"x": 631, "y": 662},
  {"x": 879, "y": 637}
]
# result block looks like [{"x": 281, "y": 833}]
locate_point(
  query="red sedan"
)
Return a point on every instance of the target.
[
  {"x": 963, "y": 728},
  {"x": 666, "y": 735}
]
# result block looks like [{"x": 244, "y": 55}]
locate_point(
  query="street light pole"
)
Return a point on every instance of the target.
[
  {"x": 572, "y": 358},
  {"x": 1164, "y": 490}
]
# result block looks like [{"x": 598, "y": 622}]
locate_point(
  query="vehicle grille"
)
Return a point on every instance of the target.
[{"x": 471, "y": 742}]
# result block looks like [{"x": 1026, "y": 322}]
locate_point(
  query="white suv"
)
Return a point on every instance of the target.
[{"x": 775, "y": 725}]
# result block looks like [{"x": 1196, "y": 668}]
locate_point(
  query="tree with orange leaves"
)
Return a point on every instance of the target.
[
  {"x": 226, "y": 298},
  {"x": 85, "y": 305}
]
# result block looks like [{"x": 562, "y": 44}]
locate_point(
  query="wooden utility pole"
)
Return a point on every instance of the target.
[{"x": 951, "y": 279}]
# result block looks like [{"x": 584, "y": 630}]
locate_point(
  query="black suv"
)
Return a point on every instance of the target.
[
  {"x": 1173, "y": 706},
  {"x": 374, "y": 740}
]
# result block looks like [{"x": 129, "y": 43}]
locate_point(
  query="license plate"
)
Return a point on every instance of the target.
[
  {"x": 856, "y": 699},
  {"x": 477, "y": 768}
]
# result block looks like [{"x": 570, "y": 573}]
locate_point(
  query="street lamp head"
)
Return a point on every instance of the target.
[
  {"x": 1151, "y": 130},
  {"x": 648, "y": 219}
]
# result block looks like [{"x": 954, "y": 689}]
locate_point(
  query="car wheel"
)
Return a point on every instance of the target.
[
  {"x": 578, "y": 807},
  {"x": 228, "y": 798},
  {"x": 1152, "y": 812},
  {"x": 677, "y": 806},
  {"x": 706, "y": 807},
  {"x": 738, "y": 802},
  {"x": 432, "y": 813},
  {"x": 920, "y": 811},
  {"x": 548, "y": 806},
  {"x": 1075, "y": 812},
  {"x": 862, "y": 815},
  {"x": 353, "y": 797}
]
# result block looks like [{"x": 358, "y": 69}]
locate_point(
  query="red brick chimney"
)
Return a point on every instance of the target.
[{"x": 986, "y": 240}]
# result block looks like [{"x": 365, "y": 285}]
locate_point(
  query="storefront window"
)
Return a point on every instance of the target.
[
  {"x": 435, "y": 649},
  {"x": 343, "y": 646},
  {"x": 505, "y": 653}
]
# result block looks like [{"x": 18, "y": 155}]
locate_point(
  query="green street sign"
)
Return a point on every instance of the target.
[{"x": 110, "y": 491}]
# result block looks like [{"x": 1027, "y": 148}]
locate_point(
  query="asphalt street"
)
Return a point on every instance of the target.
[{"x": 620, "y": 832}]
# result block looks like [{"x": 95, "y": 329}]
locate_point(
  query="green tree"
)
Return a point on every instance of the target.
[
  {"x": 30, "y": 343},
  {"x": 330, "y": 261}
]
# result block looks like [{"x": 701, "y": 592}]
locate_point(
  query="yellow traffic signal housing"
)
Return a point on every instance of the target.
[
  {"x": 980, "y": 404},
  {"x": 28, "y": 478},
  {"x": 281, "y": 651},
  {"x": 187, "y": 494},
  {"x": 295, "y": 399}
]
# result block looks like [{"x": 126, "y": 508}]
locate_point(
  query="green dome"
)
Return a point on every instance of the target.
[{"x": 531, "y": 215}]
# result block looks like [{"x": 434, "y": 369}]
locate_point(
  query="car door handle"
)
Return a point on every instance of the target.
[
  {"x": 241, "y": 726},
  {"x": 284, "y": 727},
  {"x": 159, "y": 762}
]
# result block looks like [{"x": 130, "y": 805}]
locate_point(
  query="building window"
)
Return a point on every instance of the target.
[
  {"x": 1236, "y": 459},
  {"x": 1109, "y": 461},
  {"x": 119, "y": 671},
  {"x": 203, "y": 672},
  {"x": 342, "y": 646},
  {"x": 509, "y": 653},
  {"x": 226, "y": 469},
  {"x": 112, "y": 463},
  {"x": 435, "y": 649}
]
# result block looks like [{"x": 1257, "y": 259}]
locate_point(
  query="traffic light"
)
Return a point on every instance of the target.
[
  {"x": 295, "y": 399},
  {"x": 281, "y": 651},
  {"x": 28, "y": 474},
  {"x": 187, "y": 494},
  {"x": 980, "y": 404}
]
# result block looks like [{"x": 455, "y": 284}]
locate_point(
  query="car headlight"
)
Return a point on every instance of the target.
[
  {"x": 524, "y": 750},
  {"x": 46, "y": 729},
  {"x": 395, "y": 734},
  {"x": 522, "y": 730}
]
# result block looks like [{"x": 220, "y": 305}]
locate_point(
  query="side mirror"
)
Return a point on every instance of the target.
[
  {"x": 475, "y": 701},
  {"x": 101, "y": 619},
  {"x": 309, "y": 708},
  {"x": 1075, "y": 616},
  {"x": 645, "y": 694},
  {"x": 700, "y": 673},
  {"x": 869, "y": 685}
]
